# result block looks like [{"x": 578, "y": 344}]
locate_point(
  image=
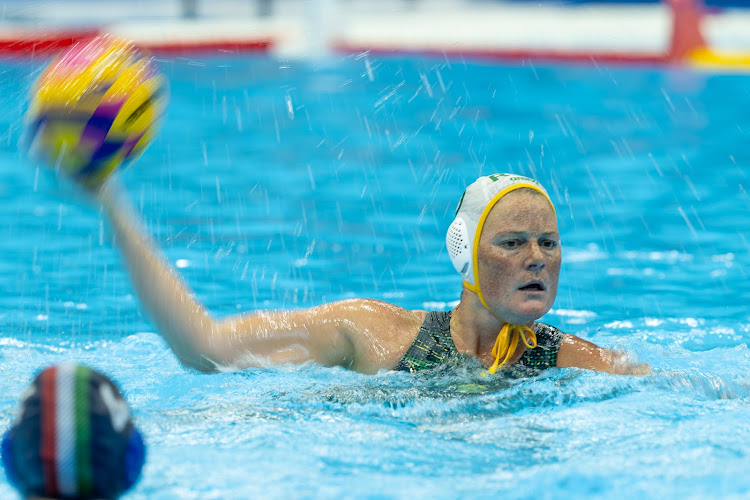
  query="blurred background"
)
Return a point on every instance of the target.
[
  {"x": 511, "y": 29},
  {"x": 276, "y": 184}
]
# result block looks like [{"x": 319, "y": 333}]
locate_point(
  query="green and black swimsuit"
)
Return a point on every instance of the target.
[{"x": 434, "y": 345}]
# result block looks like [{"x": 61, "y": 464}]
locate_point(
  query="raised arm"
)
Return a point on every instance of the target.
[
  {"x": 578, "y": 353},
  {"x": 180, "y": 318},
  {"x": 363, "y": 335}
]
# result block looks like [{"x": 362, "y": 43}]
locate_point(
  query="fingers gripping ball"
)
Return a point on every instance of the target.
[{"x": 96, "y": 106}]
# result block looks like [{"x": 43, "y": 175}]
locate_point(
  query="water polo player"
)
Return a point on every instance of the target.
[
  {"x": 73, "y": 438},
  {"x": 504, "y": 242}
]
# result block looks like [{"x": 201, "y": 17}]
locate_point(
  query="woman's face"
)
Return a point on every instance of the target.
[{"x": 518, "y": 257}]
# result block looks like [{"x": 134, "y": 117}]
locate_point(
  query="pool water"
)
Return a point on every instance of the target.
[{"x": 289, "y": 184}]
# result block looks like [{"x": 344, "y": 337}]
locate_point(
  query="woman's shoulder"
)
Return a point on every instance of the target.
[
  {"x": 380, "y": 332},
  {"x": 376, "y": 310}
]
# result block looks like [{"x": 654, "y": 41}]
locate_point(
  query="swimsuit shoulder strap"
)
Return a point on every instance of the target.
[
  {"x": 433, "y": 344},
  {"x": 544, "y": 355}
]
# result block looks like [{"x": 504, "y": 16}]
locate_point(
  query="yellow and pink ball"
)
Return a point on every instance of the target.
[{"x": 95, "y": 107}]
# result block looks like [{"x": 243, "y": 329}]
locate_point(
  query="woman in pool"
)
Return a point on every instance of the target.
[{"x": 504, "y": 242}]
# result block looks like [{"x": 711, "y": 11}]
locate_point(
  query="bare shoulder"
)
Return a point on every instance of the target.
[
  {"x": 354, "y": 312},
  {"x": 374, "y": 310},
  {"x": 380, "y": 332},
  {"x": 361, "y": 334}
]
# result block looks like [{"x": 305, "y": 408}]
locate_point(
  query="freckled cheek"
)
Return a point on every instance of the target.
[
  {"x": 554, "y": 264},
  {"x": 490, "y": 263},
  {"x": 553, "y": 270},
  {"x": 493, "y": 280}
]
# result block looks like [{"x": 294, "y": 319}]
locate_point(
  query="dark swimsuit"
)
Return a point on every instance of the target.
[{"x": 434, "y": 345}]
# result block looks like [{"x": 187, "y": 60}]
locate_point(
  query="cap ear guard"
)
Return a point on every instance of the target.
[
  {"x": 7, "y": 456},
  {"x": 459, "y": 246},
  {"x": 135, "y": 457}
]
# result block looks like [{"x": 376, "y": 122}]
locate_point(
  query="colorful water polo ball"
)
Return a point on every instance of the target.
[{"x": 95, "y": 107}]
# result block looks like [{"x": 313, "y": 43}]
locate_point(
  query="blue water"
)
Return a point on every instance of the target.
[{"x": 291, "y": 184}]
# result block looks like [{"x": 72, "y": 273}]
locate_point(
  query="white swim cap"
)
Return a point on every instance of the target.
[{"x": 477, "y": 201}]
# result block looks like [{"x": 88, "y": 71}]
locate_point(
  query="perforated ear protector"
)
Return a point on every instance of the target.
[{"x": 458, "y": 242}]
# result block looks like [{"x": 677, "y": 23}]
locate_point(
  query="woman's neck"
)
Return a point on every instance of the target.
[{"x": 474, "y": 329}]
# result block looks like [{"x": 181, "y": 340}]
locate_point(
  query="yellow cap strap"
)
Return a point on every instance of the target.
[{"x": 507, "y": 342}]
